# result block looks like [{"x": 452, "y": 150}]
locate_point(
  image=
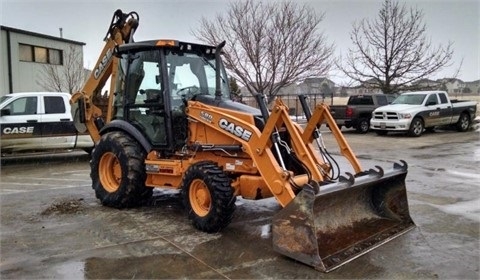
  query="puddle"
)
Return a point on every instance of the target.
[
  {"x": 468, "y": 209},
  {"x": 169, "y": 266}
]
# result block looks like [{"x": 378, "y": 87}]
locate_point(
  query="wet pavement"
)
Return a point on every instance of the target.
[{"x": 52, "y": 226}]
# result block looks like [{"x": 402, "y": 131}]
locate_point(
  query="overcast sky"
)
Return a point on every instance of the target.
[{"x": 87, "y": 21}]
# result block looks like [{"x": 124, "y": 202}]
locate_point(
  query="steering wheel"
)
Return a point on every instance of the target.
[{"x": 192, "y": 90}]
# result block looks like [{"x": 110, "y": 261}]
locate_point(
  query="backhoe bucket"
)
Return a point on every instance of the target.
[{"x": 343, "y": 220}]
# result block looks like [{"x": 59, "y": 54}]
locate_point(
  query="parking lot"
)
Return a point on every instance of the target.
[{"x": 52, "y": 226}]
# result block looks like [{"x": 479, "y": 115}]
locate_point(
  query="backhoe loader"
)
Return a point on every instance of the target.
[{"x": 169, "y": 123}]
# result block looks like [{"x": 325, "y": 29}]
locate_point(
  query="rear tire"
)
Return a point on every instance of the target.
[
  {"x": 463, "y": 123},
  {"x": 208, "y": 197},
  {"x": 118, "y": 171},
  {"x": 362, "y": 126},
  {"x": 416, "y": 127}
]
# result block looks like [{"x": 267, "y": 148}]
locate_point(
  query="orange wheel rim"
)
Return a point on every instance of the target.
[
  {"x": 200, "y": 198},
  {"x": 110, "y": 172}
]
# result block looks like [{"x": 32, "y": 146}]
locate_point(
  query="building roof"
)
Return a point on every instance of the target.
[
  {"x": 425, "y": 81},
  {"x": 20, "y": 31},
  {"x": 317, "y": 80}
]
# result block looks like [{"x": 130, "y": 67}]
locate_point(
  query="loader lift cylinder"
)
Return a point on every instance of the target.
[
  {"x": 262, "y": 104},
  {"x": 317, "y": 135}
]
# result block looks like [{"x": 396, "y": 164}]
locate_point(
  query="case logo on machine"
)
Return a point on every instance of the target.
[
  {"x": 103, "y": 64},
  {"x": 18, "y": 130},
  {"x": 234, "y": 129}
]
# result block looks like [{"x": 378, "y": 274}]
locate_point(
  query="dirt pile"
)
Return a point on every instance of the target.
[{"x": 65, "y": 206}]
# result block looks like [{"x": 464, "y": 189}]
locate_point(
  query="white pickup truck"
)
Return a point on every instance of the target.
[
  {"x": 414, "y": 112},
  {"x": 32, "y": 121}
]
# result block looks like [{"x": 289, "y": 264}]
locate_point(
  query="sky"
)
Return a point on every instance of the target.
[{"x": 456, "y": 21}]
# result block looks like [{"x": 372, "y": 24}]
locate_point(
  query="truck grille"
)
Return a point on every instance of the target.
[{"x": 385, "y": 116}]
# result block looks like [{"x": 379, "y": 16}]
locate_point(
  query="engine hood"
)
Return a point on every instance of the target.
[
  {"x": 399, "y": 108},
  {"x": 228, "y": 104}
]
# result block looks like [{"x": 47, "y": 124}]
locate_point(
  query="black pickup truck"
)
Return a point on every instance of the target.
[{"x": 358, "y": 111}]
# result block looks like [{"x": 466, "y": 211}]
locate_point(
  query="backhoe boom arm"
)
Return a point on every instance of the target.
[{"x": 121, "y": 31}]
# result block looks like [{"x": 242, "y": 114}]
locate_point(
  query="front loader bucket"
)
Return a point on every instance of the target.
[{"x": 344, "y": 220}]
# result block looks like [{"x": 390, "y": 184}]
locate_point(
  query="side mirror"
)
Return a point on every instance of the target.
[{"x": 5, "y": 112}]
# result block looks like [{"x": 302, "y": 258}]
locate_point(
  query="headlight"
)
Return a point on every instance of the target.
[{"x": 404, "y": 116}]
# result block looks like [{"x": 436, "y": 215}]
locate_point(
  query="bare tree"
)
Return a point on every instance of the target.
[
  {"x": 391, "y": 52},
  {"x": 68, "y": 77},
  {"x": 269, "y": 45}
]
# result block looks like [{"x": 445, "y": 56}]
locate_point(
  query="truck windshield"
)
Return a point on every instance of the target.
[
  {"x": 191, "y": 74},
  {"x": 4, "y": 98},
  {"x": 411, "y": 99}
]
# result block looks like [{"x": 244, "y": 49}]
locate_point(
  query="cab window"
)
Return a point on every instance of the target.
[
  {"x": 54, "y": 105},
  {"x": 361, "y": 100},
  {"x": 23, "y": 106},
  {"x": 443, "y": 98},
  {"x": 432, "y": 100},
  {"x": 382, "y": 100}
]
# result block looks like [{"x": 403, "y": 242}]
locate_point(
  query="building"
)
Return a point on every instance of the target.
[{"x": 24, "y": 54}]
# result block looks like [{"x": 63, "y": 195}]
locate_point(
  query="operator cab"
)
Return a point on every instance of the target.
[{"x": 156, "y": 79}]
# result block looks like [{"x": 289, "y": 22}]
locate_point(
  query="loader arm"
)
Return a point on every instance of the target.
[
  {"x": 254, "y": 142},
  {"x": 258, "y": 145},
  {"x": 121, "y": 31},
  {"x": 320, "y": 115}
]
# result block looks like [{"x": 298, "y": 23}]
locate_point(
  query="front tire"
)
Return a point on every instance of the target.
[
  {"x": 118, "y": 171},
  {"x": 208, "y": 197},
  {"x": 463, "y": 123},
  {"x": 416, "y": 127}
]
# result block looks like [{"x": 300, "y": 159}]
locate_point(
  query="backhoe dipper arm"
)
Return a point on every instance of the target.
[{"x": 121, "y": 30}]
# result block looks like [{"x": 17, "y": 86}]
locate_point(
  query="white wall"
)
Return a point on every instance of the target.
[{"x": 25, "y": 75}]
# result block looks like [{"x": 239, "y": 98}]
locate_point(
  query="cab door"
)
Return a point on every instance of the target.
[
  {"x": 58, "y": 130},
  {"x": 144, "y": 97},
  {"x": 446, "y": 110},
  {"x": 432, "y": 114},
  {"x": 21, "y": 124}
]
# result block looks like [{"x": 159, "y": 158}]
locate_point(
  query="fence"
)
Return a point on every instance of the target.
[{"x": 293, "y": 102}]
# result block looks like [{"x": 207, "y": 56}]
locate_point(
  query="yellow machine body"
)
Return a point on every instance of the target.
[{"x": 228, "y": 151}]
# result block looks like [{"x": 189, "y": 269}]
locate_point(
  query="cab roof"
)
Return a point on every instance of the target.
[
  {"x": 423, "y": 92},
  {"x": 165, "y": 43},
  {"x": 39, "y": 93}
]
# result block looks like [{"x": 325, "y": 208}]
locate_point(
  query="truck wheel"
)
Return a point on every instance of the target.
[
  {"x": 363, "y": 126},
  {"x": 463, "y": 122},
  {"x": 416, "y": 127},
  {"x": 208, "y": 196},
  {"x": 118, "y": 171}
]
